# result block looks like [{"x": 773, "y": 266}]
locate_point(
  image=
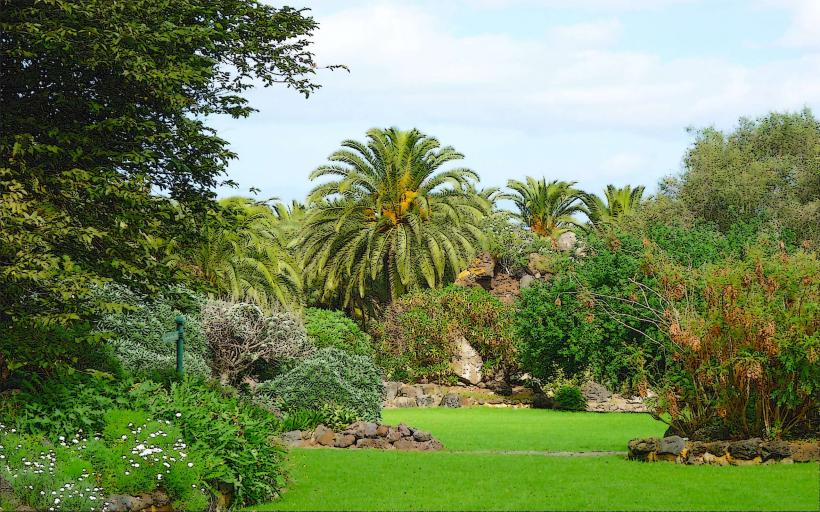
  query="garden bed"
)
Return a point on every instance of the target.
[{"x": 364, "y": 434}]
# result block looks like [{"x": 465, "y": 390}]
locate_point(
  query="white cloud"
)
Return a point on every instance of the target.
[{"x": 803, "y": 30}]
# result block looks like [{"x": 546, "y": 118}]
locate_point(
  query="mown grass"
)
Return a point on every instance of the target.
[
  {"x": 484, "y": 428},
  {"x": 465, "y": 477}
]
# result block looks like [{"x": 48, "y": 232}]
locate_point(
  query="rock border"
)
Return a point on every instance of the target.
[
  {"x": 364, "y": 434},
  {"x": 723, "y": 453}
]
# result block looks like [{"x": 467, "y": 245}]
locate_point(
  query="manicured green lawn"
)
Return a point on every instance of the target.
[
  {"x": 483, "y": 428},
  {"x": 468, "y": 478}
]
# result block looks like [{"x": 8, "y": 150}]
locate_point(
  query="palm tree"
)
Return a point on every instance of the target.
[
  {"x": 392, "y": 220},
  {"x": 616, "y": 203},
  {"x": 546, "y": 208},
  {"x": 244, "y": 257}
]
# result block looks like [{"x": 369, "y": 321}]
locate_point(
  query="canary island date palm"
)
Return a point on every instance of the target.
[
  {"x": 244, "y": 255},
  {"x": 548, "y": 209},
  {"x": 392, "y": 219},
  {"x": 616, "y": 203}
]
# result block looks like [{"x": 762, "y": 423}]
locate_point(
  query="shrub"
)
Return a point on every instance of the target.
[
  {"x": 241, "y": 334},
  {"x": 238, "y": 437},
  {"x": 510, "y": 244},
  {"x": 745, "y": 337},
  {"x": 418, "y": 334},
  {"x": 330, "y": 377},
  {"x": 588, "y": 318},
  {"x": 332, "y": 416},
  {"x": 570, "y": 398},
  {"x": 333, "y": 329},
  {"x": 135, "y": 330}
]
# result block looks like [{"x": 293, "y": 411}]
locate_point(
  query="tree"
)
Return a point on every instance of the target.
[
  {"x": 546, "y": 208},
  {"x": 103, "y": 106},
  {"x": 243, "y": 255},
  {"x": 393, "y": 220},
  {"x": 616, "y": 203},
  {"x": 766, "y": 171}
]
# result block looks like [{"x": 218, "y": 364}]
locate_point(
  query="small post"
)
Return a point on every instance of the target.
[{"x": 180, "y": 343}]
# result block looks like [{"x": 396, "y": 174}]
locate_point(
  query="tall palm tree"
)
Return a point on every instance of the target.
[
  {"x": 244, "y": 256},
  {"x": 616, "y": 203},
  {"x": 392, "y": 220},
  {"x": 546, "y": 208}
]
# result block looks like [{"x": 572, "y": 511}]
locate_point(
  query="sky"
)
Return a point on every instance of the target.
[{"x": 593, "y": 91}]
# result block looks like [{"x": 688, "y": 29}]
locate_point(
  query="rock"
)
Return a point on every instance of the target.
[
  {"x": 370, "y": 429},
  {"x": 542, "y": 401},
  {"x": 451, "y": 400},
  {"x": 805, "y": 451},
  {"x": 344, "y": 440},
  {"x": 355, "y": 428},
  {"x": 292, "y": 438},
  {"x": 404, "y": 430},
  {"x": 642, "y": 449},
  {"x": 595, "y": 392},
  {"x": 433, "y": 444},
  {"x": 479, "y": 273},
  {"x": 391, "y": 390},
  {"x": 405, "y": 401},
  {"x": 503, "y": 389},
  {"x": 378, "y": 443},
  {"x": 716, "y": 448},
  {"x": 324, "y": 436},
  {"x": 425, "y": 401},
  {"x": 421, "y": 436},
  {"x": 393, "y": 435},
  {"x": 467, "y": 362},
  {"x": 672, "y": 445},
  {"x": 526, "y": 281},
  {"x": 382, "y": 430},
  {"x": 409, "y": 391},
  {"x": 746, "y": 449},
  {"x": 430, "y": 389},
  {"x": 776, "y": 449},
  {"x": 408, "y": 444},
  {"x": 505, "y": 287},
  {"x": 566, "y": 241}
]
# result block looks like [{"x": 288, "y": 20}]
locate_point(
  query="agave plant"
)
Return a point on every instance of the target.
[
  {"x": 393, "y": 219},
  {"x": 616, "y": 203},
  {"x": 548, "y": 209}
]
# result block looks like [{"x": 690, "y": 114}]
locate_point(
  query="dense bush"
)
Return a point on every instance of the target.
[
  {"x": 136, "y": 330},
  {"x": 570, "y": 398},
  {"x": 588, "y": 318},
  {"x": 418, "y": 334},
  {"x": 334, "y": 329},
  {"x": 745, "y": 338},
  {"x": 241, "y": 336},
  {"x": 510, "y": 244},
  {"x": 237, "y": 439},
  {"x": 330, "y": 377}
]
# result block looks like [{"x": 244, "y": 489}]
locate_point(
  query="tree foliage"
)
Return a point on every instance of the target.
[
  {"x": 393, "y": 220},
  {"x": 103, "y": 104},
  {"x": 548, "y": 209},
  {"x": 616, "y": 203}
]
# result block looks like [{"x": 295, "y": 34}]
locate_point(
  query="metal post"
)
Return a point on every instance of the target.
[{"x": 180, "y": 343}]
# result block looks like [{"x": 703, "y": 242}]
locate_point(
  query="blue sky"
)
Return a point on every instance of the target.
[{"x": 595, "y": 91}]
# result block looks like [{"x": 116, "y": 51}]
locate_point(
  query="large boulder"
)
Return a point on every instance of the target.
[
  {"x": 451, "y": 400},
  {"x": 595, "y": 392},
  {"x": 567, "y": 241},
  {"x": 467, "y": 363},
  {"x": 746, "y": 449},
  {"x": 672, "y": 445},
  {"x": 391, "y": 390},
  {"x": 505, "y": 287}
]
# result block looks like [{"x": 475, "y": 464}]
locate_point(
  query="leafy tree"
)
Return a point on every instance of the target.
[
  {"x": 103, "y": 104},
  {"x": 393, "y": 220},
  {"x": 766, "y": 170},
  {"x": 616, "y": 203},
  {"x": 546, "y": 208}
]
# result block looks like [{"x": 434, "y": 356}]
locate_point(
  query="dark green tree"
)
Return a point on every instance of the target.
[{"x": 105, "y": 155}]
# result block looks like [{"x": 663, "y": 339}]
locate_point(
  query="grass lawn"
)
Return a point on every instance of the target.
[{"x": 468, "y": 478}]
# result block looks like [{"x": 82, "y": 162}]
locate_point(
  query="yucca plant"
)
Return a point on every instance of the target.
[
  {"x": 548, "y": 209},
  {"x": 616, "y": 203},
  {"x": 392, "y": 220}
]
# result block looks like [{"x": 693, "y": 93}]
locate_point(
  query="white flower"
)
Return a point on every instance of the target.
[
  {"x": 159, "y": 477},
  {"x": 179, "y": 415},
  {"x": 124, "y": 437}
]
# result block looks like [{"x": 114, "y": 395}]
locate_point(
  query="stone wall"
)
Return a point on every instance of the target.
[
  {"x": 747, "y": 451},
  {"x": 363, "y": 434}
]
